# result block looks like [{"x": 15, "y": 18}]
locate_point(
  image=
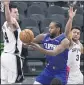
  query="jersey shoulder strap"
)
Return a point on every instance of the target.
[{"x": 61, "y": 37}]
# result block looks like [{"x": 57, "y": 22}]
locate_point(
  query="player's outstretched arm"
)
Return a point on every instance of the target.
[
  {"x": 10, "y": 20},
  {"x": 60, "y": 48},
  {"x": 70, "y": 20},
  {"x": 7, "y": 11}
]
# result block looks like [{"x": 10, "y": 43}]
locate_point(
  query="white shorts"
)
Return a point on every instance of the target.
[
  {"x": 75, "y": 78},
  {"x": 8, "y": 68}
]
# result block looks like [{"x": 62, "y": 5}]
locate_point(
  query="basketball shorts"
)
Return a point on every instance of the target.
[
  {"x": 9, "y": 71},
  {"x": 75, "y": 78},
  {"x": 46, "y": 77}
]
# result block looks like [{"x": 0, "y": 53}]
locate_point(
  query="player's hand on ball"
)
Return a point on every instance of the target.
[
  {"x": 35, "y": 46},
  {"x": 26, "y": 44}
]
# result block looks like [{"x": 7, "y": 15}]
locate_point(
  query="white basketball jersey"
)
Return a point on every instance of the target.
[
  {"x": 75, "y": 75},
  {"x": 10, "y": 40},
  {"x": 74, "y": 57}
]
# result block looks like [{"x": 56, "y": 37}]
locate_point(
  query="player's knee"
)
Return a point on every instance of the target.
[
  {"x": 37, "y": 83},
  {"x": 56, "y": 82}
]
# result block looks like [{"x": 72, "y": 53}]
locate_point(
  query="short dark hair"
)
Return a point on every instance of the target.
[
  {"x": 12, "y": 5},
  {"x": 76, "y": 27},
  {"x": 57, "y": 24}
]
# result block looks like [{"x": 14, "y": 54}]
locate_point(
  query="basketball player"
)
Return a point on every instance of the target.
[
  {"x": 10, "y": 57},
  {"x": 75, "y": 50},
  {"x": 56, "y": 49}
]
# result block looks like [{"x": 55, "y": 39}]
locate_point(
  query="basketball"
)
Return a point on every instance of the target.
[{"x": 26, "y": 36}]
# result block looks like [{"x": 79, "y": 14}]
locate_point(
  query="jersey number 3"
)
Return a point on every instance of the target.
[{"x": 77, "y": 57}]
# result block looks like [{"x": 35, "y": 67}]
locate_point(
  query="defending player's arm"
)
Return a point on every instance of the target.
[
  {"x": 69, "y": 23},
  {"x": 10, "y": 20},
  {"x": 7, "y": 12},
  {"x": 60, "y": 48}
]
